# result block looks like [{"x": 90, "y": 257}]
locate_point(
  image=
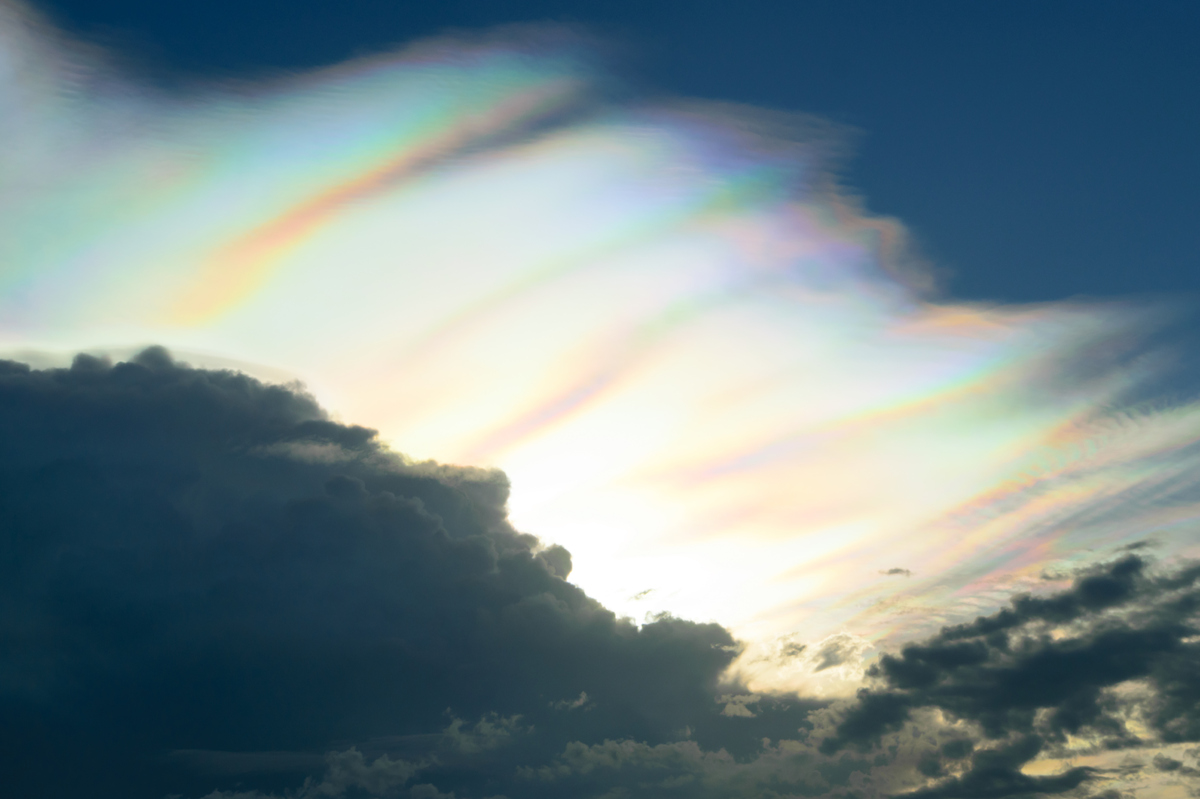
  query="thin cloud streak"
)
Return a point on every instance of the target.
[{"x": 706, "y": 370}]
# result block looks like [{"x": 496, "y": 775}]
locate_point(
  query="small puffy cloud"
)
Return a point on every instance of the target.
[
  {"x": 428, "y": 791},
  {"x": 838, "y": 650},
  {"x": 350, "y": 769},
  {"x": 557, "y": 560},
  {"x": 348, "y": 773},
  {"x": 1164, "y": 763},
  {"x": 735, "y": 705},
  {"x": 572, "y": 704},
  {"x": 487, "y": 733}
]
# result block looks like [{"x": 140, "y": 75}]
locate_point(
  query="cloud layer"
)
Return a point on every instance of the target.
[{"x": 211, "y": 589}]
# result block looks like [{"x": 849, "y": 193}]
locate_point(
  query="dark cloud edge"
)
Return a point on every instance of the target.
[{"x": 209, "y": 584}]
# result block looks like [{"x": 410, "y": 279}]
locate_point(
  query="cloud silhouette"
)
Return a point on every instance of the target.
[
  {"x": 181, "y": 573},
  {"x": 209, "y": 588},
  {"x": 1043, "y": 678}
]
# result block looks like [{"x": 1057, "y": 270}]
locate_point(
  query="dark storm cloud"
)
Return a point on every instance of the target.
[
  {"x": 1042, "y": 670},
  {"x": 206, "y": 582},
  {"x": 996, "y": 773},
  {"x": 208, "y": 588}
]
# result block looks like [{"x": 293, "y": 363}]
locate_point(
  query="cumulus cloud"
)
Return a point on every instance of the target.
[
  {"x": 195, "y": 606},
  {"x": 837, "y": 650},
  {"x": 346, "y": 771},
  {"x": 572, "y": 704},
  {"x": 1105, "y": 666},
  {"x": 180, "y": 575}
]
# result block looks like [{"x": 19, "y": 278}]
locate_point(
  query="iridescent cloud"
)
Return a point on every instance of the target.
[{"x": 708, "y": 373}]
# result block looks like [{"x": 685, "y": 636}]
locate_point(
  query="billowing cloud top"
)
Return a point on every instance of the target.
[{"x": 200, "y": 564}]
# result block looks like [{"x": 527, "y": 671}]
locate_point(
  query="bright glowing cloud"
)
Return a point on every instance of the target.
[{"x": 707, "y": 372}]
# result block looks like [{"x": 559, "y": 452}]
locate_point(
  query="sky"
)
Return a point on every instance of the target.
[
  {"x": 1037, "y": 151},
  {"x": 599, "y": 400}
]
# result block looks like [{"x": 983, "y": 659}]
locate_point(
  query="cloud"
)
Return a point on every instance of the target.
[
  {"x": 1107, "y": 665},
  {"x": 181, "y": 576},
  {"x": 837, "y": 650},
  {"x": 736, "y": 705},
  {"x": 659, "y": 316},
  {"x": 1164, "y": 763},
  {"x": 345, "y": 772},
  {"x": 996, "y": 773},
  {"x": 195, "y": 607},
  {"x": 572, "y": 704},
  {"x": 207, "y": 584}
]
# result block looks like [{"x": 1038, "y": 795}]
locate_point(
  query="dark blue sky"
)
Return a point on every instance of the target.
[{"x": 1037, "y": 150}]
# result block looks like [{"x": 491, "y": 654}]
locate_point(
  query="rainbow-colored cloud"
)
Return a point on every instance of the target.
[{"x": 708, "y": 372}]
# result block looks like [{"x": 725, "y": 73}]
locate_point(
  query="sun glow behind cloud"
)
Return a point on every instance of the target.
[{"x": 707, "y": 373}]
